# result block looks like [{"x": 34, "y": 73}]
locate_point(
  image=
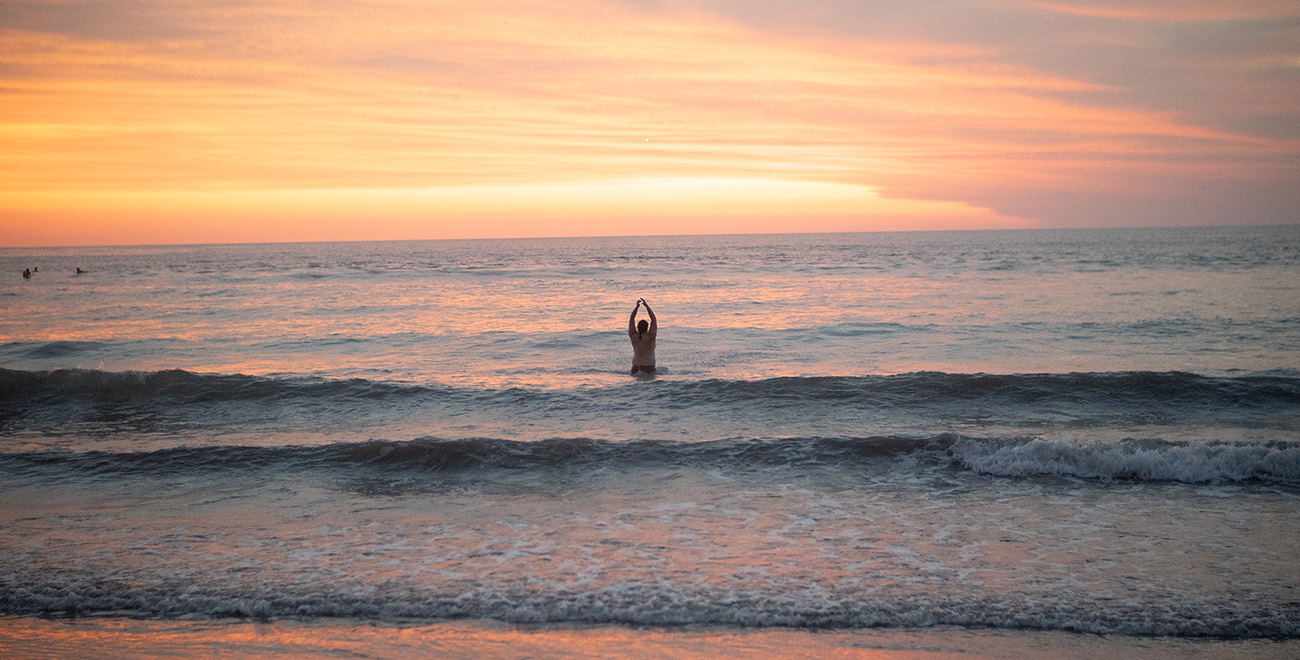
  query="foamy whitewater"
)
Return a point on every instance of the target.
[{"x": 1085, "y": 430}]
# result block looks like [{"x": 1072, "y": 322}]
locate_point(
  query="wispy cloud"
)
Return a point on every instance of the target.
[
  {"x": 1177, "y": 12},
  {"x": 434, "y": 101}
]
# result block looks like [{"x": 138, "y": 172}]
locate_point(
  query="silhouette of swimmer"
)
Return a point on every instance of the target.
[
  {"x": 80, "y": 271},
  {"x": 643, "y": 339},
  {"x": 27, "y": 274}
]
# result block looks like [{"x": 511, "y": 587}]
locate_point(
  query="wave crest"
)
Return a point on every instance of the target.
[
  {"x": 1142, "y": 460},
  {"x": 1130, "y": 460}
]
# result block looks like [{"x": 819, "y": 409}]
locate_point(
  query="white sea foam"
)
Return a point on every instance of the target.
[
  {"x": 1143, "y": 461},
  {"x": 649, "y": 605}
]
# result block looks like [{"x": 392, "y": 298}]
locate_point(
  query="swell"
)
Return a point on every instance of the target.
[
  {"x": 919, "y": 388},
  {"x": 179, "y": 385},
  {"x": 1129, "y": 460},
  {"x": 481, "y": 454},
  {"x": 166, "y": 408}
]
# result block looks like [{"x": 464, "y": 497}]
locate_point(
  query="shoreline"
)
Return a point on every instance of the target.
[{"x": 31, "y": 638}]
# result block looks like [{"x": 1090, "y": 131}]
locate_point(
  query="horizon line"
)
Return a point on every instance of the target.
[{"x": 1295, "y": 223}]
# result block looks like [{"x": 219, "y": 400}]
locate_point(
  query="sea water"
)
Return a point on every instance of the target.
[{"x": 1055, "y": 430}]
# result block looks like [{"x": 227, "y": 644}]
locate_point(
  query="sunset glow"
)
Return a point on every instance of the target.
[{"x": 143, "y": 122}]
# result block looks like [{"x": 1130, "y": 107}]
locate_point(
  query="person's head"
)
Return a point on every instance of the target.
[{"x": 642, "y": 326}]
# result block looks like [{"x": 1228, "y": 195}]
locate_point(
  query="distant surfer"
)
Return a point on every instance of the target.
[
  {"x": 80, "y": 271},
  {"x": 642, "y": 335}
]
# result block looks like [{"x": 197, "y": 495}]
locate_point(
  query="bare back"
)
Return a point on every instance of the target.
[
  {"x": 643, "y": 348},
  {"x": 643, "y": 339}
]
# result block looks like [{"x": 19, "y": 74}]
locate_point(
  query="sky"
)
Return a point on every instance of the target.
[{"x": 215, "y": 121}]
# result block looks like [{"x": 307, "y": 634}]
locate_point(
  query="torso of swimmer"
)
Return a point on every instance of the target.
[{"x": 642, "y": 335}]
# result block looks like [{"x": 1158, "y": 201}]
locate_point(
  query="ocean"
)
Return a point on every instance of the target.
[{"x": 1073, "y": 433}]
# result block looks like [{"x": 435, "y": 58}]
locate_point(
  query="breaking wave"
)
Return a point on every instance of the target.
[{"x": 1129, "y": 460}]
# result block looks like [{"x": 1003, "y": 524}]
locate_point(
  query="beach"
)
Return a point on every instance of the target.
[{"x": 39, "y": 638}]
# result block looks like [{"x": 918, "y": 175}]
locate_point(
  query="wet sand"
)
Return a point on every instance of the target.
[{"x": 24, "y": 638}]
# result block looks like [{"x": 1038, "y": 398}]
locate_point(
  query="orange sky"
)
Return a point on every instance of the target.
[{"x": 162, "y": 121}]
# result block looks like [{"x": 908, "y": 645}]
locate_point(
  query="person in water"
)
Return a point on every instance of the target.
[{"x": 642, "y": 335}]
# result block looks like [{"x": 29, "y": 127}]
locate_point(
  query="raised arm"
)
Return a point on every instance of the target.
[
  {"x": 631, "y": 320},
  {"x": 654, "y": 322}
]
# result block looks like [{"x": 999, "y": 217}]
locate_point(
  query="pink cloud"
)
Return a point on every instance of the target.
[{"x": 252, "y": 99}]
